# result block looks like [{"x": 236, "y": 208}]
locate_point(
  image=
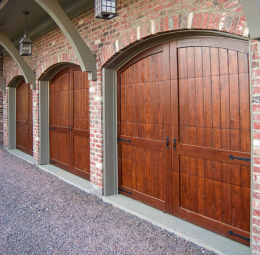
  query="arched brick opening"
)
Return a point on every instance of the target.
[{"x": 109, "y": 81}]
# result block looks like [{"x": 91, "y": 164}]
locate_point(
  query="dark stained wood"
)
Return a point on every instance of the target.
[
  {"x": 69, "y": 122},
  {"x": 197, "y": 91},
  {"x": 80, "y": 123},
  {"x": 144, "y": 93},
  {"x": 215, "y": 42},
  {"x": 24, "y": 121},
  {"x": 214, "y": 122}
]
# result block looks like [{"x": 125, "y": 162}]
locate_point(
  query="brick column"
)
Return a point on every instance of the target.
[
  {"x": 1, "y": 100},
  {"x": 96, "y": 136},
  {"x": 256, "y": 146}
]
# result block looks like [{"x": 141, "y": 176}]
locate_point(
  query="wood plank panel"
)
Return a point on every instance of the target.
[
  {"x": 24, "y": 122},
  {"x": 144, "y": 100},
  {"x": 211, "y": 184}
]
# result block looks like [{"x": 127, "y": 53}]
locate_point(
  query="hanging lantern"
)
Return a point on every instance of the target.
[
  {"x": 25, "y": 43},
  {"x": 105, "y": 9}
]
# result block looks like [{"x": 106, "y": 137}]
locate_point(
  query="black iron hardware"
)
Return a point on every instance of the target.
[
  {"x": 242, "y": 237},
  {"x": 167, "y": 142},
  {"x": 244, "y": 159},
  {"x": 69, "y": 128},
  {"x": 174, "y": 143},
  {"x": 130, "y": 193},
  {"x": 52, "y": 128},
  {"x": 53, "y": 162},
  {"x": 123, "y": 140}
]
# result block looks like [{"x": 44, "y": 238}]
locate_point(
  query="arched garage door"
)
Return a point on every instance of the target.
[
  {"x": 184, "y": 132},
  {"x": 69, "y": 121},
  {"x": 24, "y": 122}
]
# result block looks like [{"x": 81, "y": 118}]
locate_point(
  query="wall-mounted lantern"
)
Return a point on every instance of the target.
[
  {"x": 105, "y": 9},
  {"x": 25, "y": 43}
]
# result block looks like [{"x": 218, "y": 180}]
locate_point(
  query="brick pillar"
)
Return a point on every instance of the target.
[
  {"x": 96, "y": 136},
  {"x": 255, "y": 48},
  {"x": 1, "y": 100}
]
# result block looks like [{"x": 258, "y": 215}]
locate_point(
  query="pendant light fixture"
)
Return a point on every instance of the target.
[
  {"x": 25, "y": 43},
  {"x": 105, "y": 9}
]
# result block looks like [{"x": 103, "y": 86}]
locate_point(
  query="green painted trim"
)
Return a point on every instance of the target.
[
  {"x": 251, "y": 11},
  {"x": 12, "y": 118},
  {"x": 2, "y": 84},
  {"x": 110, "y": 132}
]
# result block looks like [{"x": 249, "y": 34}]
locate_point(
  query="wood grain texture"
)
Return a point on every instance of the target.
[
  {"x": 214, "y": 123},
  {"x": 196, "y": 91},
  {"x": 24, "y": 123},
  {"x": 144, "y": 103},
  {"x": 69, "y": 120}
]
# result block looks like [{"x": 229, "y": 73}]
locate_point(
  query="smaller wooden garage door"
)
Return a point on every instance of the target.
[
  {"x": 69, "y": 121},
  {"x": 24, "y": 123}
]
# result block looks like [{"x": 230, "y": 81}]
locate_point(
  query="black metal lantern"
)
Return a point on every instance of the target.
[
  {"x": 105, "y": 9},
  {"x": 25, "y": 43}
]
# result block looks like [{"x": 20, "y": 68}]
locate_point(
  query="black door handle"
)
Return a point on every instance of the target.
[
  {"x": 174, "y": 143},
  {"x": 167, "y": 142}
]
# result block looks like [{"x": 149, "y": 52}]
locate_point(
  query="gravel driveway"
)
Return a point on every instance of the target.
[{"x": 40, "y": 214}]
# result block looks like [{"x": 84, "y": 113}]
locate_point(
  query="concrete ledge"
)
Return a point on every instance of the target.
[
  {"x": 179, "y": 227},
  {"x": 60, "y": 173}
]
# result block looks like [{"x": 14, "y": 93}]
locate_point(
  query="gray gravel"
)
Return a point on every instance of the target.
[{"x": 40, "y": 214}]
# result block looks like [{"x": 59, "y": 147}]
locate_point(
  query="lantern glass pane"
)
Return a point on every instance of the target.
[
  {"x": 113, "y": 10},
  {"x": 108, "y": 3},
  {"x": 104, "y": 9},
  {"x": 113, "y": 4},
  {"x": 108, "y": 9},
  {"x": 104, "y": 2}
]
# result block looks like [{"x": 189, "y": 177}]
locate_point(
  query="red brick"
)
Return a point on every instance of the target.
[
  {"x": 199, "y": 20},
  {"x": 216, "y": 22},
  {"x": 231, "y": 4},
  {"x": 205, "y": 20},
  {"x": 241, "y": 25},
  {"x": 194, "y": 21},
  {"x": 211, "y": 21},
  {"x": 256, "y": 169}
]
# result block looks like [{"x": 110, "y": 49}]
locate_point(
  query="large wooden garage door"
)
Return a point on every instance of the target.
[
  {"x": 202, "y": 118},
  {"x": 69, "y": 121},
  {"x": 24, "y": 123}
]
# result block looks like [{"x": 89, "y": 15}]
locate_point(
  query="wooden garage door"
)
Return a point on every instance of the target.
[
  {"x": 69, "y": 121},
  {"x": 204, "y": 111},
  {"x": 24, "y": 123},
  {"x": 143, "y": 121}
]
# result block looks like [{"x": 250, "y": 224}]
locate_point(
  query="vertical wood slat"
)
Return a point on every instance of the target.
[{"x": 175, "y": 179}]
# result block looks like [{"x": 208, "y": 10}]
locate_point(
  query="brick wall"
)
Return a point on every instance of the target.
[
  {"x": 256, "y": 145},
  {"x": 1, "y": 100},
  {"x": 138, "y": 19}
]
